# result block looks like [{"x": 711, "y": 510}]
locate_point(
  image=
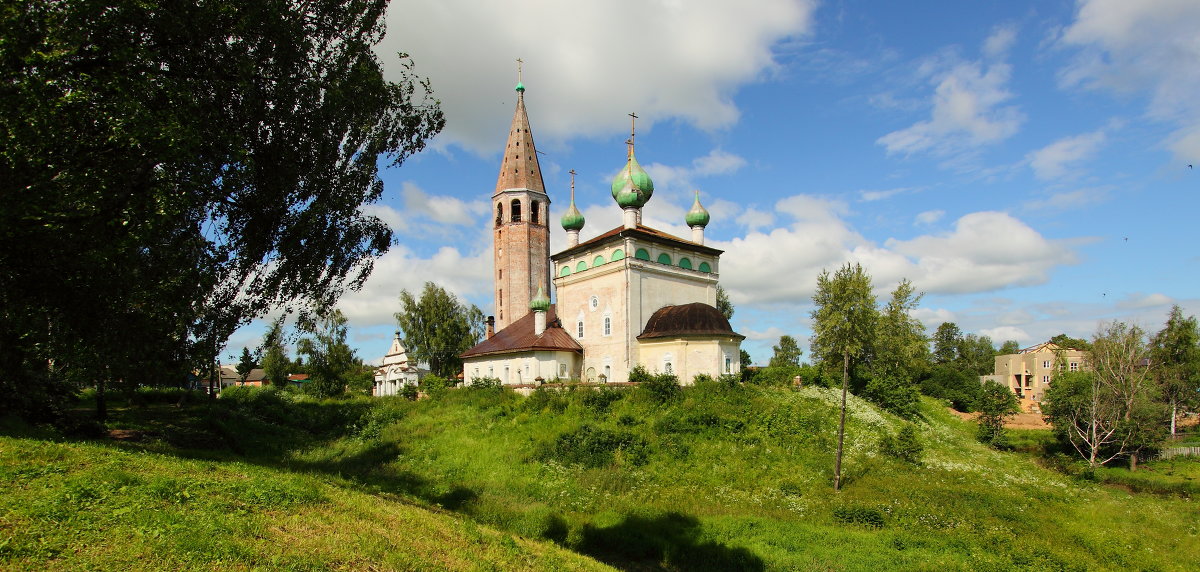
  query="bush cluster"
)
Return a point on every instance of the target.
[
  {"x": 904, "y": 445},
  {"x": 866, "y": 516},
  {"x": 596, "y": 447}
]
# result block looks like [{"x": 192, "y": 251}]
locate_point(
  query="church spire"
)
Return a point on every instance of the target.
[{"x": 520, "y": 169}]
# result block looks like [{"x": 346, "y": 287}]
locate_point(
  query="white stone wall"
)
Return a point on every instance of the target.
[{"x": 522, "y": 367}]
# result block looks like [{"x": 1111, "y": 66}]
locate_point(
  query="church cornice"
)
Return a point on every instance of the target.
[{"x": 644, "y": 233}]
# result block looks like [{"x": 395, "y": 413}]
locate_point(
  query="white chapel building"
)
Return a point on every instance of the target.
[{"x": 631, "y": 295}]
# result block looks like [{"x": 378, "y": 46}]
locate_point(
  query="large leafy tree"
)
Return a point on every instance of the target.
[
  {"x": 171, "y": 170},
  {"x": 437, "y": 328},
  {"x": 331, "y": 361},
  {"x": 1175, "y": 353},
  {"x": 275, "y": 360},
  {"x": 843, "y": 325},
  {"x": 899, "y": 353},
  {"x": 946, "y": 341},
  {"x": 787, "y": 353},
  {"x": 1111, "y": 410}
]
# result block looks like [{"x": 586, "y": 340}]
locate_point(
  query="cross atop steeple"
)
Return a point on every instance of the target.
[
  {"x": 572, "y": 172},
  {"x": 519, "y": 63},
  {"x": 632, "y": 131}
]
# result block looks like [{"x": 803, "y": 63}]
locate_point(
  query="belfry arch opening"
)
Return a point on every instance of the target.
[{"x": 516, "y": 210}]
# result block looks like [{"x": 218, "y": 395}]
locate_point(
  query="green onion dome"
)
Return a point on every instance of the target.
[
  {"x": 539, "y": 303},
  {"x": 572, "y": 219},
  {"x": 632, "y": 187},
  {"x": 520, "y": 87},
  {"x": 697, "y": 216}
]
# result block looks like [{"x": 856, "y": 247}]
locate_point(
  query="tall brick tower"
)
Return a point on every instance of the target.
[{"x": 521, "y": 238}]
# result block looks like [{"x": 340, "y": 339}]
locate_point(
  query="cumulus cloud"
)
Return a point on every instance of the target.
[
  {"x": 1059, "y": 160},
  {"x": 1001, "y": 40},
  {"x": 1004, "y": 333},
  {"x": 467, "y": 276},
  {"x": 1151, "y": 47},
  {"x": 985, "y": 251},
  {"x": 586, "y": 64},
  {"x": 967, "y": 105},
  {"x": 717, "y": 162}
]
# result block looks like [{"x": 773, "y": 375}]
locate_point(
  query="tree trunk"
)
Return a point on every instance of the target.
[
  {"x": 1133, "y": 460},
  {"x": 1174, "y": 413},
  {"x": 837, "y": 464}
]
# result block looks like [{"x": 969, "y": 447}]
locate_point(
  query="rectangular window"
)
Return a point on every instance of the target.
[
  {"x": 728, "y": 365},
  {"x": 607, "y": 326},
  {"x": 1074, "y": 366},
  {"x": 562, "y": 370},
  {"x": 1045, "y": 379},
  {"x": 1046, "y": 364}
]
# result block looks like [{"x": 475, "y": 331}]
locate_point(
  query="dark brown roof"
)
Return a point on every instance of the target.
[
  {"x": 518, "y": 337},
  {"x": 695, "y": 319},
  {"x": 643, "y": 232}
]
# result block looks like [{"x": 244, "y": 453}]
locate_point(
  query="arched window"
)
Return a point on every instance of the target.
[
  {"x": 704, "y": 267},
  {"x": 535, "y": 208},
  {"x": 608, "y": 372},
  {"x": 499, "y": 214},
  {"x": 579, "y": 329},
  {"x": 581, "y": 266},
  {"x": 664, "y": 258},
  {"x": 685, "y": 263},
  {"x": 598, "y": 261},
  {"x": 641, "y": 254},
  {"x": 618, "y": 254},
  {"x": 516, "y": 210},
  {"x": 566, "y": 271}
]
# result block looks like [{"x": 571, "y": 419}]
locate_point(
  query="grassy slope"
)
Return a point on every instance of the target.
[
  {"x": 734, "y": 478},
  {"x": 742, "y": 478},
  {"x": 101, "y": 507}
]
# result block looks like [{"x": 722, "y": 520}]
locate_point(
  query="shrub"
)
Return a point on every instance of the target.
[
  {"x": 958, "y": 387},
  {"x": 639, "y": 374},
  {"x": 600, "y": 400},
  {"x": 543, "y": 399},
  {"x": 904, "y": 445},
  {"x": 662, "y": 388},
  {"x": 434, "y": 385},
  {"x": 995, "y": 404},
  {"x": 409, "y": 392},
  {"x": 595, "y": 447},
  {"x": 485, "y": 383},
  {"x": 702, "y": 378},
  {"x": 895, "y": 395}
]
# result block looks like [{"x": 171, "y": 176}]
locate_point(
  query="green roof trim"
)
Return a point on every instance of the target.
[
  {"x": 642, "y": 254},
  {"x": 704, "y": 267},
  {"x": 685, "y": 263}
]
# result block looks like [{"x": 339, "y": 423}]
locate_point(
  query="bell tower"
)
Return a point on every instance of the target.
[{"x": 521, "y": 232}]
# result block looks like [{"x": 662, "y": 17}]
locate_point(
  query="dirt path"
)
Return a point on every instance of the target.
[{"x": 1018, "y": 421}]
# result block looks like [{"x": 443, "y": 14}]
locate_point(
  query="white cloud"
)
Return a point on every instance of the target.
[
  {"x": 933, "y": 317},
  {"x": 870, "y": 196},
  {"x": 1059, "y": 160},
  {"x": 587, "y": 64},
  {"x": 929, "y": 217},
  {"x": 754, "y": 219},
  {"x": 967, "y": 110},
  {"x": 441, "y": 209},
  {"x": 1001, "y": 40},
  {"x": 717, "y": 162},
  {"x": 401, "y": 269},
  {"x": 1069, "y": 200},
  {"x": 1139, "y": 301},
  {"x": 1149, "y": 46},
  {"x": 985, "y": 251},
  {"x": 1004, "y": 333}
]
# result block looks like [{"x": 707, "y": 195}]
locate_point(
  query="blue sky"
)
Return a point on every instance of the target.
[{"x": 1025, "y": 164}]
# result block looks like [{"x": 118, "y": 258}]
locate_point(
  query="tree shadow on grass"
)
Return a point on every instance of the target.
[{"x": 670, "y": 541}]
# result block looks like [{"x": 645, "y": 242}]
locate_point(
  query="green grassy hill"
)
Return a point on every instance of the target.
[{"x": 719, "y": 478}]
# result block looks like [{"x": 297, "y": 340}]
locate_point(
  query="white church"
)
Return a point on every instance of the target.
[{"x": 631, "y": 295}]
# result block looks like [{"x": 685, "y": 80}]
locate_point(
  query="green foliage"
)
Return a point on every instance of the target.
[
  {"x": 214, "y": 157},
  {"x": 600, "y": 400},
  {"x": 275, "y": 361},
  {"x": 845, "y": 315},
  {"x": 245, "y": 364},
  {"x": 435, "y": 385},
  {"x": 724, "y": 306},
  {"x": 662, "y": 388},
  {"x": 1175, "y": 353},
  {"x": 905, "y": 445},
  {"x": 330, "y": 359},
  {"x": 786, "y": 354},
  {"x": 596, "y": 447},
  {"x": 946, "y": 381},
  {"x": 778, "y": 376},
  {"x": 409, "y": 392},
  {"x": 639, "y": 374},
  {"x": 900, "y": 349},
  {"x": 437, "y": 328},
  {"x": 995, "y": 404},
  {"x": 897, "y": 395},
  {"x": 1065, "y": 341},
  {"x": 1009, "y": 347}
]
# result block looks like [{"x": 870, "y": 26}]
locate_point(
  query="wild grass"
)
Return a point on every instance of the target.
[{"x": 718, "y": 476}]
